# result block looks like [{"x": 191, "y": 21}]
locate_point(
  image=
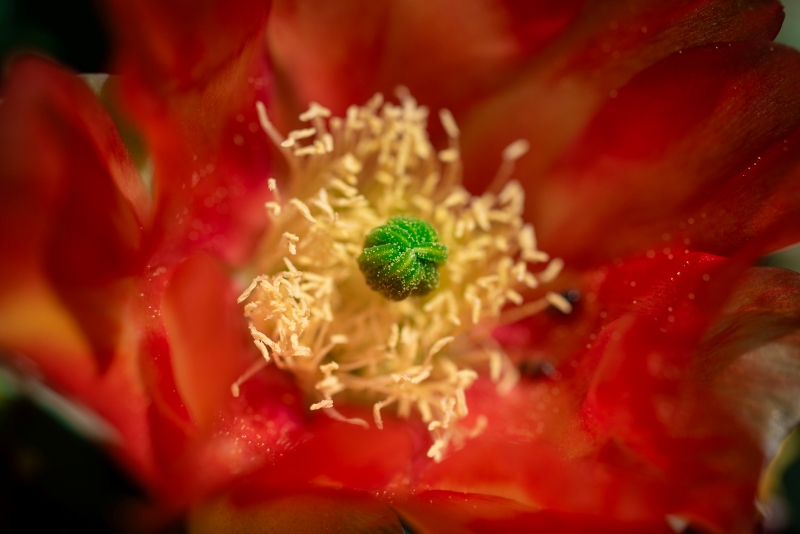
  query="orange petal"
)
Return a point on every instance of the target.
[
  {"x": 430, "y": 512},
  {"x": 73, "y": 208},
  {"x": 192, "y": 73},
  {"x": 304, "y": 512}
]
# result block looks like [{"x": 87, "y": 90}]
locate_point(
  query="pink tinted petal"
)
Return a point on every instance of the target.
[
  {"x": 448, "y": 53},
  {"x": 193, "y": 74},
  {"x": 640, "y": 168}
]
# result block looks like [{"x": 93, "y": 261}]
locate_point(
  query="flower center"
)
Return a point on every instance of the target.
[
  {"x": 382, "y": 277},
  {"x": 402, "y": 258}
]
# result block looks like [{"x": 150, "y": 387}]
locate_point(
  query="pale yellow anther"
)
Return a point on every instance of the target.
[
  {"x": 530, "y": 281},
  {"x": 495, "y": 364},
  {"x": 516, "y": 150},
  {"x": 527, "y": 241},
  {"x": 301, "y": 206},
  {"x": 273, "y": 208},
  {"x": 327, "y": 403},
  {"x": 375, "y": 102},
  {"x": 476, "y": 310},
  {"x": 436, "y": 347},
  {"x": 424, "y": 410},
  {"x": 306, "y": 151},
  {"x": 448, "y": 155},
  {"x": 314, "y": 110},
  {"x": 343, "y": 188},
  {"x": 296, "y": 135},
  {"x": 322, "y": 203},
  {"x": 552, "y": 271},
  {"x": 559, "y": 302},
  {"x": 449, "y": 123},
  {"x": 262, "y": 348},
  {"x": 328, "y": 367},
  {"x": 292, "y": 240},
  {"x": 327, "y": 142},
  {"x": 514, "y": 297},
  {"x": 457, "y": 198},
  {"x": 351, "y": 163},
  {"x": 436, "y": 452},
  {"x": 266, "y": 125}
]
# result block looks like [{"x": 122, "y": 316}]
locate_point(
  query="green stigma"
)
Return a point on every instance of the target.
[{"x": 402, "y": 258}]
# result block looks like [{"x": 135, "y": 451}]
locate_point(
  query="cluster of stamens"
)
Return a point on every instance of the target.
[{"x": 312, "y": 312}]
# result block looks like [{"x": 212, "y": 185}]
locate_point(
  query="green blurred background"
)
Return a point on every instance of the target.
[{"x": 51, "y": 476}]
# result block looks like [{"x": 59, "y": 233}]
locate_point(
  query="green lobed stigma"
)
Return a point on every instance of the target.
[{"x": 402, "y": 258}]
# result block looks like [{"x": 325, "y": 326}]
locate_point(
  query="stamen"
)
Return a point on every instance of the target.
[
  {"x": 266, "y": 125},
  {"x": 511, "y": 154},
  {"x": 314, "y": 111},
  {"x": 251, "y": 371},
  {"x": 449, "y": 124},
  {"x": 516, "y": 150},
  {"x": 297, "y": 135},
  {"x": 559, "y": 302},
  {"x": 552, "y": 271},
  {"x": 327, "y": 403},
  {"x": 369, "y": 180}
]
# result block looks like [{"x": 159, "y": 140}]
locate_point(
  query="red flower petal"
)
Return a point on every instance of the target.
[
  {"x": 72, "y": 215},
  {"x": 319, "y": 511},
  {"x": 73, "y": 207},
  {"x": 756, "y": 211},
  {"x": 466, "y": 513},
  {"x": 642, "y": 169},
  {"x": 621, "y": 418},
  {"x": 754, "y": 353},
  {"x": 180, "y": 47},
  {"x": 561, "y": 90},
  {"x": 447, "y": 53},
  {"x": 192, "y": 346},
  {"x": 339, "y": 454},
  {"x": 191, "y": 70},
  {"x": 204, "y": 328}
]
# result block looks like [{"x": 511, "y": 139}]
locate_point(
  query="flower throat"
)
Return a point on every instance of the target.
[{"x": 383, "y": 278}]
